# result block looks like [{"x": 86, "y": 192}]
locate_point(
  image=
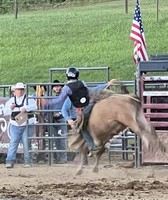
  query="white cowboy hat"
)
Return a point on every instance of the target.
[{"x": 19, "y": 86}]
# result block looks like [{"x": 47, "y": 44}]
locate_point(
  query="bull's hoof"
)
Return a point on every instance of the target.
[
  {"x": 95, "y": 170},
  {"x": 79, "y": 172}
]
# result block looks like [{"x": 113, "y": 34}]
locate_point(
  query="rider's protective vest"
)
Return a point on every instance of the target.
[{"x": 80, "y": 94}]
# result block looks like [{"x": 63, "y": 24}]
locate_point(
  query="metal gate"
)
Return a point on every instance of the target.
[
  {"x": 152, "y": 87},
  {"x": 59, "y": 73}
]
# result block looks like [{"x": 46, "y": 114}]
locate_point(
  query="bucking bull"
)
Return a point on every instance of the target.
[{"x": 111, "y": 114}]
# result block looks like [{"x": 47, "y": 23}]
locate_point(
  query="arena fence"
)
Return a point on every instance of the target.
[
  {"x": 144, "y": 85},
  {"x": 46, "y": 138},
  {"x": 152, "y": 88},
  {"x": 54, "y": 73}
]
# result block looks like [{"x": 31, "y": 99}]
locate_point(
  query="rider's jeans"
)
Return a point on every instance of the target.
[
  {"x": 19, "y": 134},
  {"x": 88, "y": 139}
]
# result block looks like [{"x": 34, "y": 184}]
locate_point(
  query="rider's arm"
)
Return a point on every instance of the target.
[
  {"x": 65, "y": 92},
  {"x": 66, "y": 109},
  {"x": 102, "y": 86},
  {"x": 69, "y": 112}
]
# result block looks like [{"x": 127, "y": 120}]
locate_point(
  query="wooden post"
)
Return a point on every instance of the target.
[
  {"x": 126, "y": 6},
  {"x": 16, "y": 8},
  {"x": 157, "y": 10}
]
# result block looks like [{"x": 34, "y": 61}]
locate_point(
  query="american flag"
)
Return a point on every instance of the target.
[{"x": 138, "y": 36}]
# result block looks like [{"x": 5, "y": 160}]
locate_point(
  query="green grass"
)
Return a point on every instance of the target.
[{"x": 81, "y": 36}]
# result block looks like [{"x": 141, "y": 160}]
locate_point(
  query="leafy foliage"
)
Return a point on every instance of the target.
[{"x": 7, "y": 5}]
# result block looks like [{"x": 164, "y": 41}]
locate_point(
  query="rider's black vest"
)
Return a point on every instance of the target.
[{"x": 80, "y": 94}]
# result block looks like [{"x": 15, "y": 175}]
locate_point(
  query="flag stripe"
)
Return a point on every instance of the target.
[{"x": 138, "y": 36}]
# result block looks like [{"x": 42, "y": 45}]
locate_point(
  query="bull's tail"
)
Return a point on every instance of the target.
[
  {"x": 156, "y": 142},
  {"x": 147, "y": 132}
]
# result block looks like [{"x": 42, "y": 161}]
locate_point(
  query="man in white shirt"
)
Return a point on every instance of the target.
[{"x": 18, "y": 132}]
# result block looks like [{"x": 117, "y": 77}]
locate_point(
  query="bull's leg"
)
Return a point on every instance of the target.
[
  {"x": 84, "y": 152},
  {"x": 80, "y": 168},
  {"x": 98, "y": 156}
]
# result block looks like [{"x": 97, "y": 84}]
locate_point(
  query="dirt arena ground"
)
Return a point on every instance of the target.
[{"x": 119, "y": 181}]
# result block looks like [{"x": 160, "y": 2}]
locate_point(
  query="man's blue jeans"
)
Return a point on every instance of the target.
[{"x": 19, "y": 134}]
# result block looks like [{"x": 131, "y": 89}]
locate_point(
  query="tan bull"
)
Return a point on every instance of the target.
[{"x": 112, "y": 114}]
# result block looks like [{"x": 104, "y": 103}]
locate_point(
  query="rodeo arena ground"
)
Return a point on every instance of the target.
[{"x": 127, "y": 169}]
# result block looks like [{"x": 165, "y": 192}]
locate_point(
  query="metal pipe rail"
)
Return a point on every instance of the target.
[
  {"x": 46, "y": 151},
  {"x": 4, "y": 92},
  {"x": 106, "y": 69},
  {"x": 159, "y": 57},
  {"x": 123, "y": 147},
  {"x": 46, "y": 137}
]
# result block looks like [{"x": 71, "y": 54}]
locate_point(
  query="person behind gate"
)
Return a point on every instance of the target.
[{"x": 59, "y": 130}]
